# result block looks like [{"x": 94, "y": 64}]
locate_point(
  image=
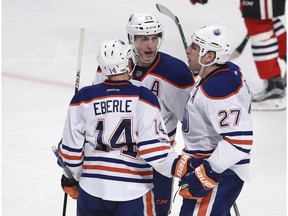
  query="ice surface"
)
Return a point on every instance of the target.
[{"x": 39, "y": 57}]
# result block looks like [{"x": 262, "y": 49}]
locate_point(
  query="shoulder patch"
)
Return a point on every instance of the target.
[
  {"x": 174, "y": 71},
  {"x": 223, "y": 83}
]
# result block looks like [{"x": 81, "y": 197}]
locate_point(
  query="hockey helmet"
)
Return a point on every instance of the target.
[
  {"x": 214, "y": 38},
  {"x": 113, "y": 57},
  {"x": 143, "y": 23}
]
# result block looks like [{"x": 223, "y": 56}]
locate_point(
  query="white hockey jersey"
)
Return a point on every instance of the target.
[
  {"x": 114, "y": 134},
  {"x": 171, "y": 81},
  {"x": 217, "y": 124}
]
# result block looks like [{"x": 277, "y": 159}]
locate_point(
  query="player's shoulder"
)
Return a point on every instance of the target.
[
  {"x": 173, "y": 70},
  {"x": 105, "y": 89},
  {"x": 116, "y": 88},
  {"x": 148, "y": 97},
  {"x": 85, "y": 94},
  {"x": 223, "y": 82}
]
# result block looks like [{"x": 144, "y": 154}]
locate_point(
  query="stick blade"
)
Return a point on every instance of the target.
[
  {"x": 238, "y": 51},
  {"x": 164, "y": 10},
  {"x": 234, "y": 55}
]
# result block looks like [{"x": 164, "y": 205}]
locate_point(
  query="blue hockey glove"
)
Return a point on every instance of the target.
[
  {"x": 198, "y": 1},
  {"x": 199, "y": 183},
  {"x": 185, "y": 164}
]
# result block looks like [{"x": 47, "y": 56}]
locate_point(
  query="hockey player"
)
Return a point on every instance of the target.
[
  {"x": 167, "y": 77},
  {"x": 114, "y": 134},
  {"x": 268, "y": 43},
  {"x": 217, "y": 126}
]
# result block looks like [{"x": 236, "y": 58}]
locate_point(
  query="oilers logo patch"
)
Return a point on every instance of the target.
[
  {"x": 121, "y": 42},
  {"x": 131, "y": 17},
  {"x": 217, "y": 32}
]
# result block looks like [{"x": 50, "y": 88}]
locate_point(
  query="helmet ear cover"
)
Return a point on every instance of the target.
[{"x": 114, "y": 56}]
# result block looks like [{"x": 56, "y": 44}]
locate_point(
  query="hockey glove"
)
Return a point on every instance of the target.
[
  {"x": 198, "y": 1},
  {"x": 70, "y": 188},
  {"x": 185, "y": 164},
  {"x": 198, "y": 184}
]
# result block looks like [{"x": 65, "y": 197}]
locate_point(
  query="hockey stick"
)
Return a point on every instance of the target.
[
  {"x": 79, "y": 60},
  {"x": 67, "y": 171},
  {"x": 236, "y": 210},
  {"x": 164, "y": 10},
  {"x": 237, "y": 52},
  {"x": 63, "y": 165}
]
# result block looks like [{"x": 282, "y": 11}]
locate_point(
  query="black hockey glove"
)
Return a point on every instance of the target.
[
  {"x": 66, "y": 182},
  {"x": 69, "y": 187},
  {"x": 199, "y": 183},
  {"x": 198, "y": 1}
]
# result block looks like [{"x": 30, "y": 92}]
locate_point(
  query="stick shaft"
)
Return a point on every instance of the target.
[
  {"x": 236, "y": 209},
  {"x": 64, "y": 204},
  {"x": 54, "y": 149},
  {"x": 80, "y": 52},
  {"x": 164, "y": 10}
]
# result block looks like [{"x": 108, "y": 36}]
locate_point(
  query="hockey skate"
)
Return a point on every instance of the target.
[{"x": 273, "y": 97}]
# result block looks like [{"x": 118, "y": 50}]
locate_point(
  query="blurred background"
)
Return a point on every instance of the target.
[{"x": 40, "y": 41}]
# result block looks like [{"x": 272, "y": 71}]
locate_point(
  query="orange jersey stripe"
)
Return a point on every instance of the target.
[
  {"x": 149, "y": 204},
  {"x": 240, "y": 142},
  {"x": 70, "y": 157},
  {"x": 114, "y": 169},
  {"x": 160, "y": 148}
]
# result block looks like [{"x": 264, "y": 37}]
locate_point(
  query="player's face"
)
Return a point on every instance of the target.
[
  {"x": 147, "y": 46},
  {"x": 192, "y": 53}
]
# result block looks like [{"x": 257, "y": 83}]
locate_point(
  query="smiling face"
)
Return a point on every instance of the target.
[{"x": 147, "y": 47}]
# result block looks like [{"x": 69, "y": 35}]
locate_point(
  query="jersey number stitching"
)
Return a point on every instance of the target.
[
  {"x": 227, "y": 115},
  {"x": 121, "y": 138}
]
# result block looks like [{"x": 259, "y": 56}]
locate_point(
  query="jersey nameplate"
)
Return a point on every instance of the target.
[{"x": 112, "y": 106}]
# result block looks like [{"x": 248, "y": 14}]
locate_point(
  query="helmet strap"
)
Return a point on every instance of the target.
[
  {"x": 209, "y": 64},
  {"x": 203, "y": 66},
  {"x": 201, "y": 70}
]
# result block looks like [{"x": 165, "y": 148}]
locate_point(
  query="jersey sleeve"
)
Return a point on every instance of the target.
[
  {"x": 231, "y": 119},
  {"x": 153, "y": 142},
  {"x": 235, "y": 126},
  {"x": 71, "y": 147}
]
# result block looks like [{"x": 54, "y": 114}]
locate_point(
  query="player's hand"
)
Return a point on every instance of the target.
[
  {"x": 198, "y": 1},
  {"x": 185, "y": 164},
  {"x": 199, "y": 183},
  {"x": 70, "y": 188},
  {"x": 73, "y": 192}
]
